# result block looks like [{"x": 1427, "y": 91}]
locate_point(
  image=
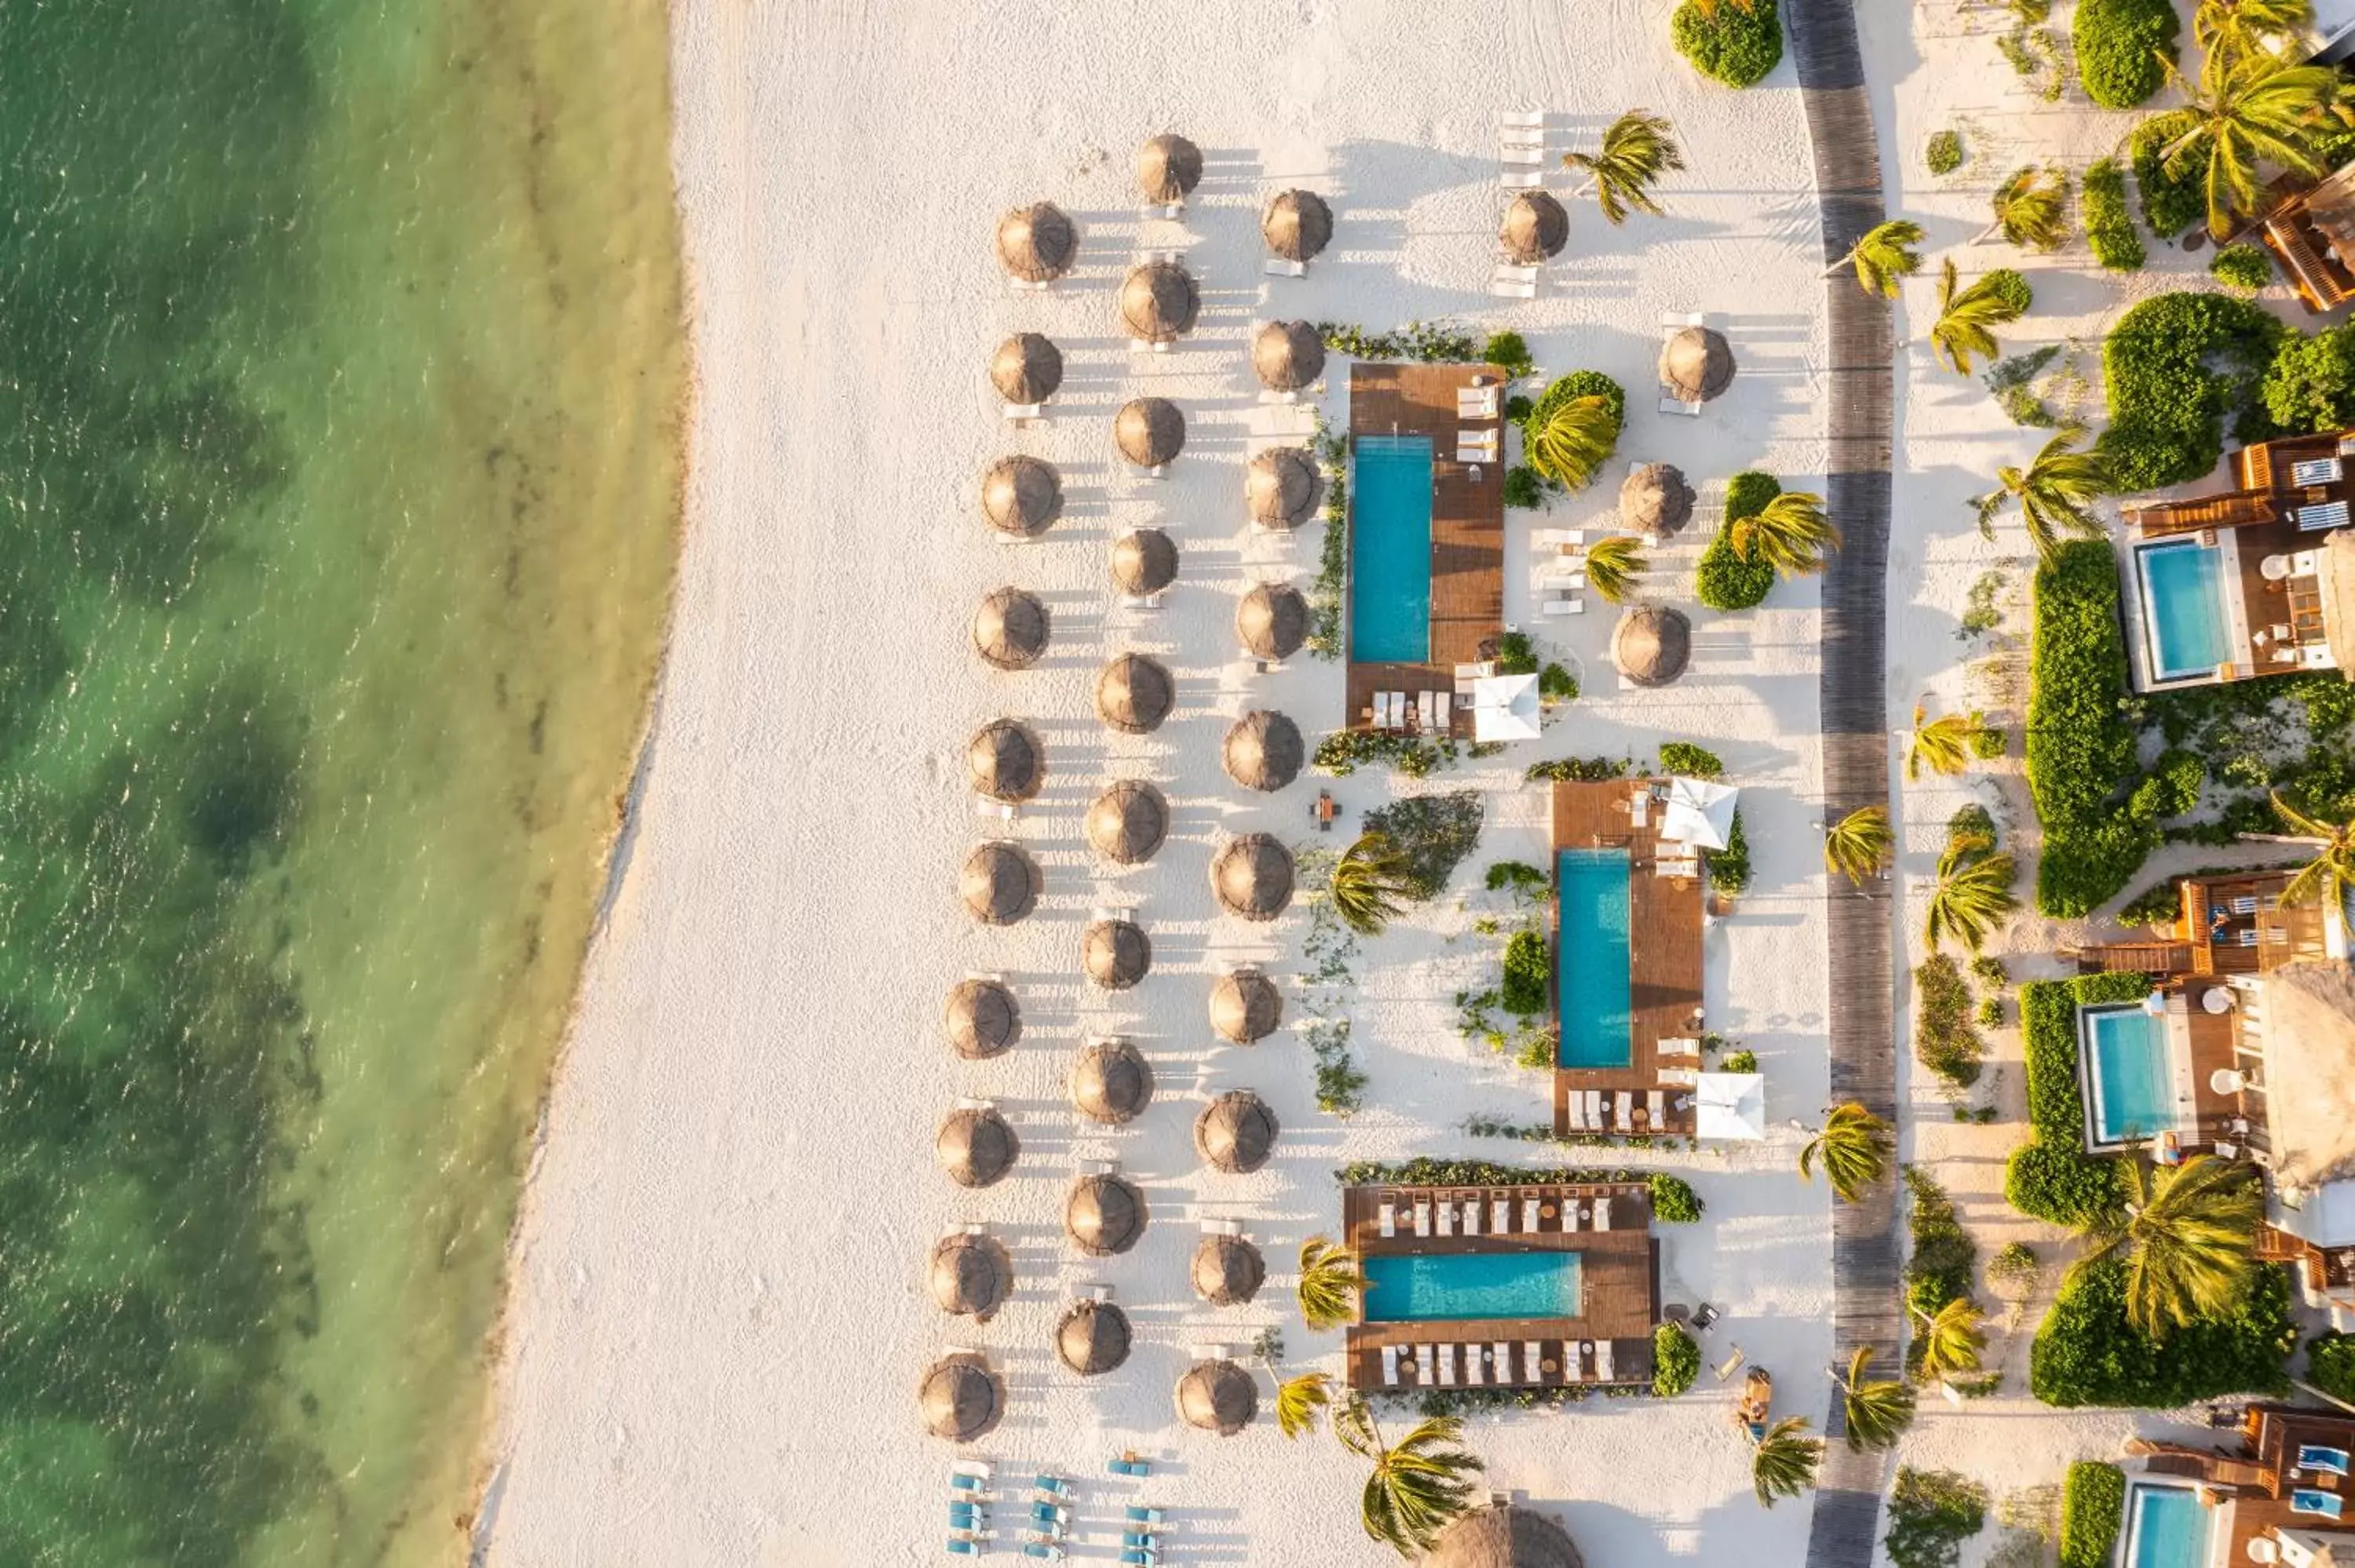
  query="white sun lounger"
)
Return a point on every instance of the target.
[
  {"x": 1503, "y": 1362},
  {"x": 1602, "y": 1372},
  {"x": 1562, "y": 538},
  {"x": 1584, "y": 1348},
  {"x": 1423, "y": 1219},
  {"x": 1577, "y": 1113},
  {"x": 1602, "y": 1213},
  {"x": 1390, "y": 1366},
  {"x": 1023, "y": 413},
  {"x": 1521, "y": 156},
  {"x": 1530, "y": 1216},
  {"x": 1277, "y": 267},
  {"x": 1680, "y": 1077},
  {"x": 1140, "y": 601},
  {"x": 1423, "y": 1360},
  {"x": 1532, "y": 1361},
  {"x": 1564, "y": 604},
  {"x": 1476, "y": 402},
  {"x": 1390, "y": 1220},
  {"x": 1570, "y": 1214},
  {"x": 1504, "y": 289},
  {"x": 1521, "y": 119},
  {"x": 1447, "y": 1366},
  {"x": 1672, "y": 404},
  {"x": 979, "y": 1469},
  {"x": 1594, "y": 1109},
  {"x": 1447, "y": 1219},
  {"x": 1472, "y": 1374},
  {"x": 998, "y": 810},
  {"x": 1656, "y": 1106},
  {"x": 1472, "y": 1218},
  {"x": 1623, "y": 1105},
  {"x": 1501, "y": 1217}
]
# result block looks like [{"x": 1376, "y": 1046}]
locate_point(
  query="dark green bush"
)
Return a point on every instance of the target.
[
  {"x": 1576, "y": 769},
  {"x": 2310, "y": 385},
  {"x": 2330, "y": 1364},
  {"x": 1523, "y": 488},
  {"x": 1518, "y": 407},
  {"x": 2173, "y": 367},
  {"x": 2012, "y": 288},
  {"x": 1577, "y": 384},
  {"x": 1729, "y": 868},
  {"x": 1990, "y": 741},
  {"x": 2157, "y": 904},
  {"x": 2118, "y": 45},
  {"x": 1519, "y": 875},
  {"x": 2169, "y": 204},
  {"x": 1676, "y": 1360},
  {"x": 2080, "y": 750},
  {"x": 1741, "y": 1062},
  {"x": 2093, "y": 1511},
  {"x": 2171, "y": 789},
  {"x": 1529, "y": 974},
  {"x": 1938, "y": 1265},
  {"x": 1682, "y": 757},
  {"x": 1431, "y": 832},
  {"x": 1971, "y": 822},
  {"x": 1673, "y": 1199},
  {"x": 2109, "y": 228},
  {"x": 1943, "y": 156},
  {"x": 1944, "y": 1040},
  {"x": 1516, "y": 654},
  {"x": 1931, "y": 1514},
  {"x": 1736, "y": 46},
  {"x": 1726, "y": 578},
  {"x": 2086, "y": 1353},
  {"x": 1557, "y": 684},
  {"x": 1990, "y": 970},
  {"x": 1510, "y": 351},
  {"x": 2246, "y": 267}
]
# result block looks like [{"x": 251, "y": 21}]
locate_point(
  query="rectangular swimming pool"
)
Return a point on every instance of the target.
[
  {"x": 2129, "y": 1072},
  {"x": 1390, "y": 550},
  {"x": 2183, "y": 608},
  {"x": 1421, "y": 1286},
  {"x": 1592, "y": 992},
  {"x": 2166, "y": 1528}
]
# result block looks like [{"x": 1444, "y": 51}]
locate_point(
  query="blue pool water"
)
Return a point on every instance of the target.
[
  {"x": 2166, "y": 1528},
  {"x": 1424, "y": 1286},
  {"x": 1591, "y": 990},
  {"x": 1390, "y": 550},
  {"x": 2129, "y": 1071},
  {"x": 2183, "y": 608}
]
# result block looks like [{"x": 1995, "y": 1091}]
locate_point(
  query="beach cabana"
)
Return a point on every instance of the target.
[
  {"x": 1697, "y": 364},
  {"x": 1227, "y": 1270},
  {"x": 1731, "y": 1107},
  {"x": 971, "y": 1273},
  {"x": 1000, "y": 882},
  {"x": 1110, "y": 1082},
  {"x": 1651, "y": 644},
  {"x": 1003, "y": 761},
  {"x": 1253, "y": 877},
  {"x": 1282, "y": 487},
  {"x": 1158, "y": 302},
  {"x": 2305, "y": 1022},
  {"x": 1236, "y": 1132},
  {"x": 1094, "y": 1338},
  {"x": 1010, "y": 629},
  {"x": 1021, "y": 495},
  {"x": 1169, "y": 167},
  {"x": 1104, "y": 1214},
  {"x": 1128, "y": 822},
  {"x": 975, "y": 1146},
  {"x": 1263, "y": 751},
  {"x": 1504, "y": 707},
  {"x": 1149, "y": 431},
  {"x": 1117, "y": 954},
  {"x": 962, "y": 1399},
  {"x": 1536, "y": 228},
  {"x": 1143, "y": 562},
  {"x": 1135, "y": 694},
  {"x": 1503, "y": 1536},
  {"x": 1699, "y": 813},
  {"x": 1245, "y": 1007},
  {"x": 1216, "y": 1396},
  {"x": 1271, "y": 621},
  {"x": 1655, "y": 501},
  {"x": 1027, "y": 369},
  {"x": 1288, "y": 355},
  {"x": 982, "y": 1019},
  {"x": 1037, "y": 244},
  {"x": 1296, "y": 225}
]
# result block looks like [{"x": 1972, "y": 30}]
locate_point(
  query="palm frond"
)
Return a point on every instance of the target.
[
  {"x": 1637, "y": 148},
  {"x": 1786, "y": 1461},
  {"x": 1878, "y": 1410},
  {"x": 1299, "y": 1400},
  {"x": 1614, "y": 565},
  {"x": 1328, "y": 1278},
  {"x": 1576, "y": 440},
  {"x": 1886, "y": 256},
  {"x": 1974, "y": 892},
  {"x": 1858, "y": 845},
  {"x": 1791, "y": 533},
  {"x": 1853, "y": 1149},
  {"x": 1370, "y": 884}
]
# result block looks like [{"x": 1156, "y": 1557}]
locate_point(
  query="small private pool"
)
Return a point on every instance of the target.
[
  {"x": 2129, "y": 1064},
  {"x": 2186, "y": 629},
  {"x": 2166, "y": 1528},
  {"x": 1414, "y": 1287},
  {"x": 1390, "y": 550},
  {"x": 1592, "y": 992}
]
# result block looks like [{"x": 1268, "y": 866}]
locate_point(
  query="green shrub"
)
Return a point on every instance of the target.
[
  {"x": 2119, "y": 44},
  {"x": 1931, "y": 1514},
  {"x": 1519, "y": 875},
  {"x": 1510, "y": 351},
  {"x": 1516, "y": 654},
  {"x": 2244, "y": 267},
  {"x": 2330, "y": 1364},
  {"x": 1736, "y": 46},
  {"x": 2086, "y": 1353},
  {"x": 1727, "y": 579},
  {"x": 2051, "y": 1177},
  {"x": 1741, "y": 1062},
  {"x": 1682, "y": 757},
  {"x": 1576, "y": 769},
  {"x": 1557, "y": 684},
  {"x": 1518, "y": 407},
  {"x": 2170, "y": 203},
  {"x": 1529, "y": 974},
  {"x": 2093, "y": 1511},
  {"x": 1944, "y": 1040},
  {"x": 2012, "y": 288},
  {"x": 1729, "y": 868},
  {"x": 1991, "y": 740},
  {"x": 2171, "y": 789},
  {"x": 2109, "y": 228},
  {"x": 1431, "y": 833},
  {"x": 1676, "y": 1360},
  {"x": 1990, "y": 970},
  {"x": 2310, "y": 386},
  {"x": 2080, "y": 750},
  {"x": 2157, "y": 904},
  {"x": 2173, "y": 367},
  {"x": 1943, "y": 156},
  {"x": 1577, "y": 384},
  {"x": 1971, "y": 822},
  {"x": 1673, "y": 1199},
  {"x": 1939, "y": 1263},
  {"x": 1523, "y": 488},
  {"x": 1990, "y": 1013}
]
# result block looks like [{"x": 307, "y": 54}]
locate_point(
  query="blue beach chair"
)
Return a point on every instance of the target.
[
  {"x": 965, "y": 1515},
  {"x": 964, "y": 1546},
  {"x": 1141, "y": 1558},
  {"x": 1143, "y": 1515},
  {"x": 1049, "y": 1514},
  {"x": 1126, "y": 1465},
  {"x": 1044, "y": 1551},
  {"x": 1140, "y": 1540},
  {"x": 1057, "y": 1485},
  {"x": 965, "y": 1483}
]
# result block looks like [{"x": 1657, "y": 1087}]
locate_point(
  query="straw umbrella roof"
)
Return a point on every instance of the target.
[
  {"x": 1117, "y": 954},
  {"x": 1128, "y": 822},
  {"x": 1296, "y": 225},
  {"x": 1217, "y": 1396},
  {"x": 1536, "y": 228},
  {"x": 1264, "y": 750},
  {"x": 975, "y": 1146},
  {"x": 1245, "y": 1007},
  {"x": 1143, "y": 562},
  {"x": 1169, "y": 167},
  {"x": 2309, "y": 1031},
  {"x": 982, "y": 1019},
  {"x": 1158, "y": 301},
  {"x": 1104, "y": 1214},
  {"x": 1092, "y": 1338},
  {"x": 1110, "y": 1083},
  {"x": 1253, "y": 877},
  {"x": 1655, "y": 499},
  {"x": 1037, "y": 243},
  {"x": 1288, "y": 356},
  {"x": 1272, "y": 620},
  {"x": 1504, "y": 1537},
  {"x": 972, "y": 1275},
  {"x": 1135, "y": 694},
  {"x": 1651, "y": 644},
  {"x": 1227, "y": 1270},
  {"x": 1021, "y": 495},
  {"x": 1000, "y": 883},
  {"x": 961, "y": 1398},
  {"x": 1003, "y": 761},
  {"x": 1149, "y": 431},
  {"x": 1282, "y": 487},
  {"x": 1697, "y": 363},
  {"x": 1026, "y": 368},
  {"x": 1010, "y": 629},
  {"x": 1235, "y": 1132}
]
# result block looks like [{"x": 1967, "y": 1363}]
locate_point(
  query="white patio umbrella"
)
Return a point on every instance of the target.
[
  {"x": 1699, "y": 813},
  {"x": 1504, "y": 707},
  {"x": 1731, "y": 1107}
]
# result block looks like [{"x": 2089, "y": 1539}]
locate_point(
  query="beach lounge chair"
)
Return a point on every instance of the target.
[
  {"x": 965, "y": 1546},
  {"x": 1570, "y": 1210},
  {"x": 1044, "y": 1551},
  {"x": 1140, "y": 601},
  {"x": 1603, "y": 1372},
  {"x": 1423, "y": 1219},
  {"x": 965, "y": 1515},
  {"x": 2244, "y": 906},
  {"x": 1655, "y": 1109},
  {"x": 1143, "y": 1515},
  {"x": 1388, "y": 1216},
  {"x": 996, "y": 811},
  {"x": 1390, "y": 1366},
  {"x": 1530, "y": 1216},
  {"x": 1447, "y": 1366},
  {"x": 1023, "y": 413},
  {"x": 1055, "y": 1486},
  {"x": 1623, "y": 1109},
  {"x": 1520, "y": 118},
  {"x": 1594, "y": 1109},
  {"x": 1472, "y": 1218},
  {"x": 1682, "y": 1077},
  {"x": 1602, "y": 1213},
  {"x": 1474, "y": 1369},
  {"x": 1477, "y": 403},
  {"x": 1532, "y": 1361},
  {"x": 1500, "y": 286},
  {"x": 1501, "y": 1363},
  {"x": 1277, "y": 267},
  {"x": 1522, "y": 179},
  {"x": 1447, "y": 1219},
  {"x": 1130, "y": 1464},
  {"x": 1141, "y": 1558},
  {"x": 2321, "y": 1504},
  {"x": 1575, "y": 1110},
  {"x": 1563, "y": 604},
  {"x": 1501, "y": 1217},
  {"x": 1521, "y": 154},
  {"x": 1136, "y": 1540},
  {"x": 1585, "y": 1349},
  {"x": 1050, "y": 1513},
  {"x": 967, "y": 1484},
  {"x": 1423, "y": 1360}
]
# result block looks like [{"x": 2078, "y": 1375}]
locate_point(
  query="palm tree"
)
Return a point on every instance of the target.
[
  {"x": 1943, "y": 744},
  {"x": 2188, "y": 1235},
  {"x": 1785, "y": 1463},
  {"x": 1790, "y": 534},
  {"x": 1420, "y": 1484},
  {"x": 1370, "y": 884},
  {"x": 1637, "y": 149},
  {"x": 2247, "y": 26},
  {"x": 1878, "y": 1409},
  {"x": 1965, "y": 317},
  {"x": 1299, "y": 1401},
  {"x": 1708, "y": 7},
  {"x": 1328, "y": 1272},
  {"x": 1613, "y": 566},
  {"x": 2331, "y": 872},
  {"x": 2055, "y": 493},
  {"x": 1951, "y": 1340},
  {"x": 2249, "y": 109},
  {"x": 1577, "y": 437},
  {"x": 2032, "y": 209},
  {"x": 1853, "y": 1148},
  {"x": 1974, "y": 892},
  {"x": 1883, "y": 255},
  {"x": 1859, "y": 843}
]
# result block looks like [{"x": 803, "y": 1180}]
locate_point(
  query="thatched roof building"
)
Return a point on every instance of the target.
[
  {"x": 1296, "y": 225},
  {"x": 1149, "y": 431},
  {"x": 1253, "y": 877},
  {"x": 982, "y": 1019},
  {"x": 1094, "y": 1338},
  {"x": 1264, "y": 750},
  {"x": 1272, "y": 620},
  {"x": 1505, "y": 1537},
  {"x": 1282, "y": 487},
  {"x": 1021, "y": 495},
  {"x": 1655, "y": 500},
  {"x": 1010, "y": 629},
  {"x": 972, "y": 1275},
  {"x": 1128, "y": 822},
  {"x": 1117, "y": 954},
  {"x": 1245, "y": 1007},
  {"x": 1135, "y": 694},
  {"x": 1288, "y": 355},
  {"x": 1227, "y": 1270},
  {"x": 1003, "y": 761},
  {"x": 1697, "y": 364},
  {"x": 1000, "y": 883},
  {"x": 1144, "y": 561},
  {"x": 1026, "y": 368},
  {"x": 1536, "y": 228},
  {"x": 962, "y": 1399},
  {"x": 1105, "y": 1215},
  {"x": 1169, "y": 167},
  {"x": 1236, "y": 1132},
  {"x": 1158, "y": 301},
  {"x": 1110, "y": 1082},
  {"x": 1216, "y": 1396},
  {"x": 1037, "y": 244},
  {"x": 1651, "y": 644},
  {"x": 975, "y": 1146}
]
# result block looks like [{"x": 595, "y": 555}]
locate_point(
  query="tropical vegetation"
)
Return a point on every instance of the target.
[
  {"x": 1613, "y": 566},
  {"x": 1853, "y": 1149},
  {"x": 1637, "y": 148},
  {"x": 1786, "y": 1461},
  {"x": 1582, "y": 442},
  {"x": 2186, "y": 1236},
  {"x": 1973, "y": 892},
  {"x": 1931, "y": 1514},
  {"x": 1300, "y": 1401},
  {"x": 2123, "y": 48},
  {"x": 1736, "y": 44},
  {"x": 2083, "y": 756},
  {"x": 1941, "y": 744},
  {"x": 2089, "y": 1352},
  {"x": 1943, "y": 1039},
  {"x": 1370, "y": 884},
  {"x": 2093, "y": 1511},
  {"x": 1884, "y": 257},
  {"x": 2328, "y": 876},
  {"x": 1329, "y": 1280},
  {"x": 1676, "y": 1360},
  {"x": 2243, "y": 267},
  {"x": 2054, "y": 494},
  {"x": 1529, "y": 974},
  {"x": 2245, "y": 112},
  {"x": 1876, "y": 1410},
  {"x": 1726, "y": 578},
  {"x": 2310, "y": 384},
  {"x": 1964, "y": 330},
  {"x": 2031, "y": 207},
  {"x": 1420, "y": 1484},
  {"x": 2247, "y": 26},
  {"x": 2109, "y": 228},
  {"x": 2051, "y": 1177},
  {"x": 1950, "y": 1339},
  {"x": 1858, "y": 845},
  {"x": 1790, "y": 533}
]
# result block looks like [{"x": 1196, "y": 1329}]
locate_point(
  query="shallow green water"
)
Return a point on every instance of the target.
[{"x": 340, "y": 390}]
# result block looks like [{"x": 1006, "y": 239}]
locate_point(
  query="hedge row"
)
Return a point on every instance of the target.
[
  {"x": 2082, "y": 760},
  {"x": 2119, "y": 45},
  {"x": 1726, "y": 578},
  {"x": 1673, "y": 1199},
  {"x": 2109, "y": 228},
  {"x": 1733, "y": 43},
  {"x": 2173, "y": 367},
  {"x": 2093, "y": 1511},
  {"x": 2086, "y": 1353},
  {"x": 2051, "y": 1177}
]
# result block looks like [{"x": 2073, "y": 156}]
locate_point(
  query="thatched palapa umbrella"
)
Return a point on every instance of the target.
[
  {"x": 982, "y": 1019},
  {"x": 1217, "y": 1396},
  {"x": 1037, "y": 244},
  {"x": 1128, "y": 822},
  {"x": 1158, "y": 301},
  {"x": 1505, "y": 1537},
  {"x": 1000, "y": 883},
  {"x": 1282, "y": 487},
  {"x": 1271, "y": 621},
  {"x": 1227, "y": 1270},
  {"x": 1236, "y": 1132},
  {"x": 1135, "y": 694},
  {"x": 1149, "y": 431},
  {"x": 1169, "y": 167},
  {"x": 1651, "y": 644},
  {"x": 975, "y": 1146},
  {"x": 1026, "y": 368},
  {"x": 1296, "y": 225},
  {"x": 1003, "y": 762},
  {"x": 1536, "y": 228},
  {"x": 1021, "y": 495},
  {"x": 1697, "y": 364},
  {"x": 1288, "y": 355},
  {"x": 1116, "y": 953},
  {"x": 1092, "y": 1338},
  {"x": 1010, "y": 629},
  {"x": 1143, "y": 562},
  {"x": 963, "y": 1400},
  {"x": 1245, "y": 1007},
  {"x": 972, "y": 1275},
  {"x": 1253, "y": 877},
  {"x": 1655, "y": 500},
  {"x": 1110, "y": 1083},
  {"x": 1264, "y": 750},
  {"x": 1104, "y": 1216}
]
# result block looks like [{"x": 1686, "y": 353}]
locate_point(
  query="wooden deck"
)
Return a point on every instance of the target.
[
  {"x": 1619, "y": 1290},
  {"x": 1664, "y": 954},
  {"x": 1467, "y": 528}
]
